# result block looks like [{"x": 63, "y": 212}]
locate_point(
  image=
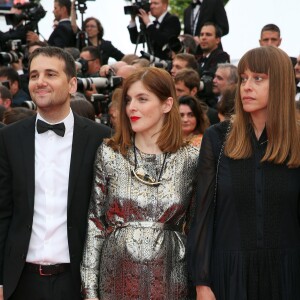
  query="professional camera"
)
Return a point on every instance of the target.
[
  {"x": 32, "y": 13},
  {"x": 157, "y": 62},
  {"x": 27, "y": 20},
  {"x": 206, "y": 82},
  {"x": 175, "y": 45},
  {"x": 102, "y": 102},
  {"x": 134, "y": 8},
  {"x": 29, "y": 104},
  {"x": 82, "y": 66},
  {"x": 85, "y": 84},
  {"x": 101, "y": 83},
  {"x": 13, "y": 50}
]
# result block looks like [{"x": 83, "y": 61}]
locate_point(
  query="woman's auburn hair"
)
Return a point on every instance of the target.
[
  {"x": 283, "y": 129},
  {"x": 160, "y": 83}
]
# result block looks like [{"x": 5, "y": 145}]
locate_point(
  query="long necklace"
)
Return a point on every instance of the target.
[{"x": 142, "y": 176}]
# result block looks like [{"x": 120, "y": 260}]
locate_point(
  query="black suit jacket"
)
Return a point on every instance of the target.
[
  {"x": 17, "y": 143},
  {"x": 210, "y": 11},
  {"x": 158, "y": 38},
  {"x": 63, "y": 35}
]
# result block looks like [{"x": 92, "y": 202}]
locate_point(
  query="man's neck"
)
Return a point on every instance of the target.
[{"x": 208, "y": 52}]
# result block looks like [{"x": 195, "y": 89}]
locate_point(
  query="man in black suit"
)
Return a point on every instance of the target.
[
  {"x": 46, "y": 172},
  {"x": 157, "y": 33},
  {"x": 202, "y": 11},
  {"x": 212, "y": 55},
  {"x": 63, "y": 34}
]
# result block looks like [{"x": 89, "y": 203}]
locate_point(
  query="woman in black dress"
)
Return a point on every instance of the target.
[{"x": 244, "y": 242}]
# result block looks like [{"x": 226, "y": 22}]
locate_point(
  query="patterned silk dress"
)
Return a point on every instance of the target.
[{"x": 135, "y": 247}]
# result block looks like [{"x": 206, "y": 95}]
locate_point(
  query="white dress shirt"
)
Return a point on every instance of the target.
[{"x": 49, "y": 237}]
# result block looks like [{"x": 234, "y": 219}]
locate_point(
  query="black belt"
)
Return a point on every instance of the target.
[{"x": 47, "y": 270}]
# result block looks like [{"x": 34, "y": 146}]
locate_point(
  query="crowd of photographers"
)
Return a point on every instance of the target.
[{"x": 199, "y": 48}]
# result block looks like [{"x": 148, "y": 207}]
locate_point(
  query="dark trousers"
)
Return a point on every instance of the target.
[{"x": 33, "y": 286}]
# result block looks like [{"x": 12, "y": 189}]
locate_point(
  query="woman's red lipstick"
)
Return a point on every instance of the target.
[{"x": 134, "y": 118}]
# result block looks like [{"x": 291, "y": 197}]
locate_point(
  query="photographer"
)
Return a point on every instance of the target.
[
  {"x": 210, "y": 38},
  {"x": 155, "y": 34},
  {"x": 63, "y": 34},
  {"x": 11, "y": 76}
]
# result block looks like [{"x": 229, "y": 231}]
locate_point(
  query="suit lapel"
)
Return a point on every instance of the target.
[
  {"x": 80, "y": 139},
  {"x": 26, "y": 136}
]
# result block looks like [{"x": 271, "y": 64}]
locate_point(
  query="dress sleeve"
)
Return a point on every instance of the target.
[
  {"x": 200, "y": 238},
  {"x": 96, "y": 230}
]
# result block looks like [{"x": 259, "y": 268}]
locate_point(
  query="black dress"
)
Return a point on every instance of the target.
[{"x": 246, "y": 244}]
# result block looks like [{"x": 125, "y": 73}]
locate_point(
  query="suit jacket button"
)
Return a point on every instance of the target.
[
  {"x": 23, "y": 256},
  {"x": 29, "y": 227}
]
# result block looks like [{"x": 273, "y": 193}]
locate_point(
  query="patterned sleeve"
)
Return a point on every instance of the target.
[{"x": 96, "y": 229}]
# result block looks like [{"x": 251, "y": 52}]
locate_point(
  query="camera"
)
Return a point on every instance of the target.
[
  {"x": 14, "y": 50},
  {"x": 31, "y": 14},
  {"x": 157, "y": 62},
  {"x": 102, "y": 83},
  {"x": 84, "y": 84},
  {"x": 81, "y": 66},
  {"x": 175, "y": 45},
  {"x": 31, "y": 11},
  {"x": 134, "y": 8},
  {"x": 29, "y": 104},
  {"x": 102, "y": 101},
  {"x": 206, "y": 82}
]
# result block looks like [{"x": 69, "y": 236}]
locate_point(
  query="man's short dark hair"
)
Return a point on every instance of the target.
[
  {"x": 66, "y": 3},
  {"x": 189, "y": 77},
  {"x": 5, "y": 92},
  {"x": 69, "y": 69},
  {"x": 11, "y": 74},
  {"x": 218, "y": 29},
  {"x": 94, "y": 52},
  {"x": 189, "y": 58},
  {"x": 270, "y": 27}
]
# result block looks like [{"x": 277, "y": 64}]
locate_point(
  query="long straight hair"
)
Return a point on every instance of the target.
[
  {"x": 160, "y": 83},
  {"x": 282, "y": 128}
]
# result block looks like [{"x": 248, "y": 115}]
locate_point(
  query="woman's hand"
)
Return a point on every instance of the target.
[{"x": 204, "y": 293}]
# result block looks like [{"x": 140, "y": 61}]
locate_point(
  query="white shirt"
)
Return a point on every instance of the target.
[{"x": 49, "y": 237}]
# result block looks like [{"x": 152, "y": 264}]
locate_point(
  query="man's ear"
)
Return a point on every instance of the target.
[{"x": 73, "y": 85}]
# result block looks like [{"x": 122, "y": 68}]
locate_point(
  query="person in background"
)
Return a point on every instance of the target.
[
  {"x": 92, "y": 56},
  {"x": 11, "y": 76},
  {"x": 225, "y": 106},
  {"x": 183, "y": 60},
  {"x": 83, "y": 108},
  {"x": 226, "y": 76},
  {"x": 5, "y": 97},
  {"x": 202, "y": 11},
  {"x": 142, "y": 198},
  {"x": 244, "y": 242},
  {"x": 212, "y": 55},
  {"x": 62, "y": 36},
  {"x": 94, "y": 29},
  {"x": 157, "y": 33},
  {"x": 187, "y": 83},
  {"x": 193, "y": 120},
  {"x": 297, "y": 76},
  {"x": 16, "y": 114},
  {"x": 270, "y": 36}
]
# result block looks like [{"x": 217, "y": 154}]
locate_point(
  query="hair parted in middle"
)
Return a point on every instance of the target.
[
  {"x": 282, "y": 128},
  {"x": 160, "y": 83}
]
